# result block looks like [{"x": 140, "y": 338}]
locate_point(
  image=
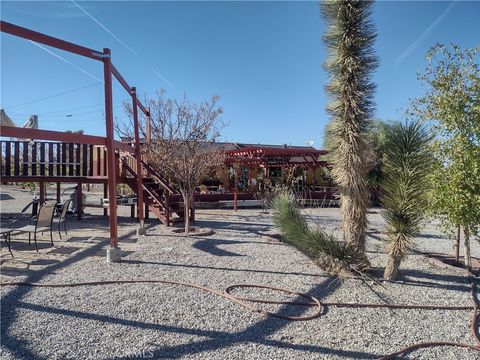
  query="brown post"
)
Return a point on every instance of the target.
[
  {"x": 111, "y": 165},
  {"x": 42, "y": 192},
  {"x": 16, "y": 158},
  {"x": 50, "y": 159},
  {"x": 8, "y": 158},
  {"x": 58, "y": 192},
  {"x": 457, "y": 250},
  {"x": 79, "y": 201},
  {"x": 138, "y": 156},
  {"x": 42, "y": 158},
  {"x": 235, "y": 191}
]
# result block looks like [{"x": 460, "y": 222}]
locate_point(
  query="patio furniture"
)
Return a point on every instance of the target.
[
  {"x": 62, "y": 217},
  {"x": 34, "y": 205},
  {"x": 43, "y": 223},
  {"x": 334, "y": 199},
  {"x": 5, "y": 232}
]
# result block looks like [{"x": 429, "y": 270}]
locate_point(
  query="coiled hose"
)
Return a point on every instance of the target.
[{"x": 312, "y": 301}]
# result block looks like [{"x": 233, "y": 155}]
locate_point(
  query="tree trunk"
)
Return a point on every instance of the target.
[
  {"x": 466, "y": 248},
  {"x": 457, "y": 250},
  {"x": 391, "y": 270},
  {"x": 186, "y": 208}
]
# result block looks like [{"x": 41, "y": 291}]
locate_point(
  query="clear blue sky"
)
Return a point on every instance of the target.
[{"x": 264, "y": 60}]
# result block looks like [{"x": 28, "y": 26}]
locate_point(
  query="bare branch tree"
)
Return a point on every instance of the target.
[{"x": 183, "y": 143}]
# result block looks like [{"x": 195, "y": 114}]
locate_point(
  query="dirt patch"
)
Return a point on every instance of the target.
[
  {"x": 445, "y": 261},
  {"x": 194, "y": 231}
]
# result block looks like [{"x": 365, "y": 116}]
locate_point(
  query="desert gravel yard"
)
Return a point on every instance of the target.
[{"x": 170, "y": 321}]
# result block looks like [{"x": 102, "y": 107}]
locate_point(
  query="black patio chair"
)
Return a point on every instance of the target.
[
  {"x": 43, "y": 223},
  {"x": 63, "y": 217}
]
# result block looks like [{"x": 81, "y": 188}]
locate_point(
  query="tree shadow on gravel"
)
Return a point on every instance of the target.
[
  {"x": 11, "y": 300},
  {"x": 259, "y": 333},
  {"x": 211, "y": 246},
  {"x": 246, "y": 228},
  {"x": 434, "y": 280},
  {"x": 189, "y": 266}
]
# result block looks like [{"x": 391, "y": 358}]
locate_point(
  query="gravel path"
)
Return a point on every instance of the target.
[{"x": 164, "y": 321}]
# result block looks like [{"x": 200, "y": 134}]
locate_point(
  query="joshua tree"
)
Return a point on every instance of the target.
[
  {"x": 406, "y": 166},
  {"x": 349, "y": 39},
  {"x": 337, "y": 258}
]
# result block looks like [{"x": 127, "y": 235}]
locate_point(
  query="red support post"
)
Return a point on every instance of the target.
[
  {"x": 138, "y": 156},
  {"x": 235, "y": 191},
  {"x": 111, "y": 165}
]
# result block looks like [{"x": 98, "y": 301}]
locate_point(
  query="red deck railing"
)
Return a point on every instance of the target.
[{"x": 46, "y": 158}]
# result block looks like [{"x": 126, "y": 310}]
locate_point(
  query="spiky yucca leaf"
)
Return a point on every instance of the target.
[
  {"x": 323, "y": 248},
  {"x": 406, "y": 165}
]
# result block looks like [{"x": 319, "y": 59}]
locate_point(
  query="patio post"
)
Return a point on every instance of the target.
[
  {"x": 114, "y": 252},
  {"x": 42, "y": 192},
  {"x": 141, "y": 230},
  {"x": 235, "y": 191}
]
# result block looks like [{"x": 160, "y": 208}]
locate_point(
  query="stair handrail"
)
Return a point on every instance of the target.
[
  {"x": 158, "y": 177},
  {"x": 156, "y": 197}
]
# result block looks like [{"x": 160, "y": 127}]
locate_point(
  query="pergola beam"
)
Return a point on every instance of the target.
[{"x": 50, "y": 41}]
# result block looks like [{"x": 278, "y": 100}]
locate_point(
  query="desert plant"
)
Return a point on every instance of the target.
[
  {"x": 337, "y": 258},
  {"x": 451, "y": 106},
  {"x": 349, "y": 39},
  {"x": 407, "y": 163}
]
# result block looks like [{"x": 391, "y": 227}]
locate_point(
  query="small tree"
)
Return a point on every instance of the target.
[
  {"x": 406, "y": 163},
  {"x": 452, "y": 105},
  {"x": 183, "y": 142}
]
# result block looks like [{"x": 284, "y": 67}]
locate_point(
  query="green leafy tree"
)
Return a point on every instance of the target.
[
  {"x": 452, "y": 106},
  {"x": 349, "y": 38},
  {"x": 406, "y": 164}
]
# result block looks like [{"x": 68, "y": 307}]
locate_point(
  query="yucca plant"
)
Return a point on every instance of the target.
[
  {"x": 407, "y": 163},
  {"x": 335, "y": 257},
  {"x": 351, "y": 61}
]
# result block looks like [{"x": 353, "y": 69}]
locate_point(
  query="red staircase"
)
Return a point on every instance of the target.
[{"x": 162, "y": 200}]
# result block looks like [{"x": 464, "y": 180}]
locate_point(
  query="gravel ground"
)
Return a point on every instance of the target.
[{"x": 170, "y": 321}]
